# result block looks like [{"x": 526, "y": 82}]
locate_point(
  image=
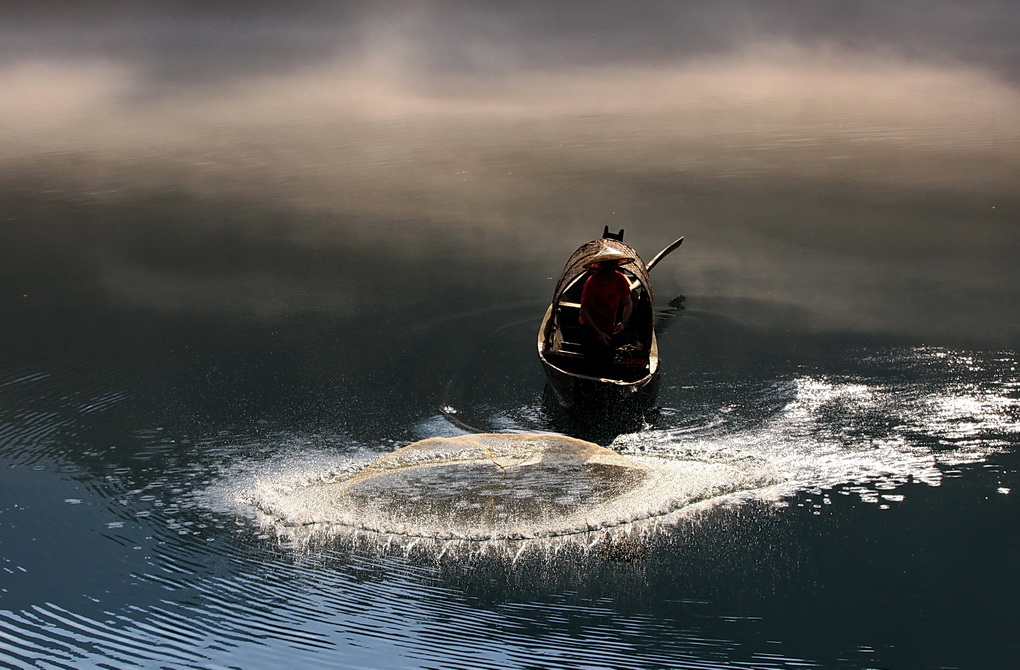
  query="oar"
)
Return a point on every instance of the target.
[{"x": 662, "y": 254}]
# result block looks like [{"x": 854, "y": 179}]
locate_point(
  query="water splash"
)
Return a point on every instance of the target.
[
  {"x": 489, "y": 489},
  {"x": 839, "y": 430},
  {"x": 512, "y": 491}
]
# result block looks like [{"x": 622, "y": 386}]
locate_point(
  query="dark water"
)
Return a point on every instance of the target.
[{"x": 242, "y": 252}]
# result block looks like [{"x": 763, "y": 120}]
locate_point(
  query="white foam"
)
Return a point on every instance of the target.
[{"x": 831, "y": 433}]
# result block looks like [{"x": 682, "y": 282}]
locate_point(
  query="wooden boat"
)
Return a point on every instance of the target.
[{"x": 635, "y": 364}]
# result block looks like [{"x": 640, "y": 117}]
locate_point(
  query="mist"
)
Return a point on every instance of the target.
[{"x": 820, "y": 156}]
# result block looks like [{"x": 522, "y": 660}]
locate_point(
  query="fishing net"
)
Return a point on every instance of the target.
[
  {"x": 497, "y": 487},
  {"x": 481, "y": 486}
]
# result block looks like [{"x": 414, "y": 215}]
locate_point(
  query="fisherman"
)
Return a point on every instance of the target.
[{"x": 606, "y": 306}]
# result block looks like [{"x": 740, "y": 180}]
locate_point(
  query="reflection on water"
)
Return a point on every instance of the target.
[{"x": 820, "y": 176}]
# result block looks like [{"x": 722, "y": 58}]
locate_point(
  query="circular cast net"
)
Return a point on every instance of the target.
[{"x": 499, "y": 487}]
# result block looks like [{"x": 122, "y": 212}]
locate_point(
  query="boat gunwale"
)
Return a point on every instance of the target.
[
  {"x": 574, "y": 269},
  {"x": 653, "y": 360}
]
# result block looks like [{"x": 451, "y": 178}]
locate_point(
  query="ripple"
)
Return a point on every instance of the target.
[
  {"x": 39, "y": 409},
  {"x": 219, "y": 573}
]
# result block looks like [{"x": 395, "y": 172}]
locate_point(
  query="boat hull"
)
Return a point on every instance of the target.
[
  {"x": 575, "y": 390},
  {"x": 631, "y": 378},
  {"x": 581, "y": 392}
]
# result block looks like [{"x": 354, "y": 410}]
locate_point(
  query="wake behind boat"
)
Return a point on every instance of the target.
[{"x": 634, "y": 365}]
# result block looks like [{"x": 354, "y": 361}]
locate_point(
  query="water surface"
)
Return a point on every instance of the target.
[{"x": 244, "y": 252}]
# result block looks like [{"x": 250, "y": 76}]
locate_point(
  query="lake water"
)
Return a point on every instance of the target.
[{"x": 244, "y": 254}]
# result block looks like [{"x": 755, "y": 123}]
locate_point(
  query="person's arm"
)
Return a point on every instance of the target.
[
  {"x": 586, "y": 320},
  {"x": 628, "y": 307},
  {"x": 590, "y": 325}
]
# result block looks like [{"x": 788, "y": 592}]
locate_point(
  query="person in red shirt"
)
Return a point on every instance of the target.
[{"x": 606, "y": 306}]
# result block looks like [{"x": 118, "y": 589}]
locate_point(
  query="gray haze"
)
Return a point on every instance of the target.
[
  {"x": 856, "y": 162},
  {"x": 197, "y": 41}
]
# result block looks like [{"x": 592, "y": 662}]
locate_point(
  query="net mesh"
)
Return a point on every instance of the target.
[{"x": 500, "y": 487}]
